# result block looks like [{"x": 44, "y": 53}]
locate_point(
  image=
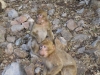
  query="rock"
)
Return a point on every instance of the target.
[
  {"x": 9, "y": 49},
  {"x": 22, "y": 19},
  {"x": 80, "y": 11},
  {"x": 80, "y": 38},
  {"x": 20, "y": 53},
  {"x": 97, "y": 53},
  {"x": 66, "y": 34},
  {"x": 81, "y": 68},
  {"x": 71, "y": 24},
  {"x": 58, "y": 30},
  {"x": 98, "y": 12},
  {"x": 78, "y": 29},
  {"x": 96, "y": 21},
  {"x": 18, "y": 42},
  {"x": 81, "y": 23},
  {"x": 14, "y": 22},
  {"x": 64, "y": 14},
  {"x": 63, "y": 41},
  {"x": 2, "y": 34},
  {"x": 51, "y": 12},
  {"x": 25, "y": 25},
  {"x": 12, "y": 14},
  {"x": 81, "y": 50},
  {"x": 14, "y": 69},
  {"x": 30, "y": 69},
  {"x": 87, "y": 1},
  {"x": 16, "y": 28},
  {"x": 56, "y": 21},
  {"x": 25, "y": 47},
  {"x": 81, "y": 3},
  {"x": 37, "y": 70},
  {"x": 34, "y": 9},
  {"x": 10, "y": 38},
  {"x": 3, "y": 5}
]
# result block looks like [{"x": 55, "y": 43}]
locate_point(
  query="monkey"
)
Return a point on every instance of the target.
[
  {"x": 42, "y": 28},
  {"x": 56, "y": 60},
  {"x": 3, "y": 5}
]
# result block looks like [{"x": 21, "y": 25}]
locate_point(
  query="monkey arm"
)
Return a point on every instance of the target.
[
  {"x": 56, "y": 68},
  {"x": 50, "y": 34}
]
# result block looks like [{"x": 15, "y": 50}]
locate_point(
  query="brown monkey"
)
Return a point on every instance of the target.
[
  {"x": 56, "y": 61},
  {"x": 42, "y": 28}
]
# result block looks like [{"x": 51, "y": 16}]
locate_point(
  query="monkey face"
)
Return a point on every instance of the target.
[
  {"x": 43, "y": 51},
  {"x": 40, "y": 19}
]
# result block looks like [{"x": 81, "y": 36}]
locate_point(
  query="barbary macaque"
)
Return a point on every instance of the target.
[
  {"x": 42, "y": 28},
  {"x": 56, "y": 61},
  {"x": 3, "y": 5}
]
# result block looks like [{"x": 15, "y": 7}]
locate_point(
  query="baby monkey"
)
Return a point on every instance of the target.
[
  {"x": 42, "y": 28},
  {"x": 56, "y": 61}
]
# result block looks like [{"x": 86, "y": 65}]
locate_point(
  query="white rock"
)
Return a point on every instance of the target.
[
  {"x": 56, "y": 21},
  {"x": 14, "y": 69},
  {"x": 80, "y": 11},
  {"x": 16, "y": 28},
  {"x": 51, "y": 12}
]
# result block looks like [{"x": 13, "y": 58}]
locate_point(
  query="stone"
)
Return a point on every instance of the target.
[
  {"x": 12, "y": 14},
  {"x": 25, "y": 47},
  {"x": 14, "y": 22},
  {"x": 66, "y": 34},
  {"x": 80, "y": 11},
  {"x": 51, "y": 12},
  {"x": 56, "y": 21},
  {"x": 71, "y": 24},
  {"x": 20, "y": 53},
  {"x": 14, "y": 69},
  {"x": 22, "y": 19},
  {"x": 2, "y": 34},
  {"x": 16, "y": 28},
  {"x": 80, "y": 37},
  {"x": 25, "y": 25},
  {"x": 81, "y": 50},
  {"x": 18, "y": 41},
  {"x": 10, "y": 38},
  {"x": 64, "y": 14},
  {"x": 9, "y": 49},
  {"x": 30, "y": 69}
]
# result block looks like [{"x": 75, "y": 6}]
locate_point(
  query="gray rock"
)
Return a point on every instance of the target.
[
  {"x": 10, "y": 38},
  {"x": 2, "y": 34},
  {"x": 12, "y": 14},
  {"x": 80, "y": 37},
  {"x": 58, "y": 30},
  {"x": 37, "y": 70},
  {"x": 64, "y": 14},
  {"x": 51, "y": 12},
  {"x": 18, "y": 42},
  {"x": 14, "y": 69},
  {"x": 87, "y": 1},
  {"x": 81, "y": 50},
  {"x": 25, "y": 47},
  {"x": 34, "y": 9},
  {"x": 66, "y": 34},
  {"x": 16, "y": 28},
  {"x": 80, "y": 11},
  {"x": 96, "y": 21},
  {"x": 56, "y": 21}
]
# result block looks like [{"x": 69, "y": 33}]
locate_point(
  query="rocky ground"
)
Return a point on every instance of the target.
[{"x": 76, "y": 24}]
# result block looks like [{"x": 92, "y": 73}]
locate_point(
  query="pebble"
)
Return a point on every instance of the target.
[
  {"x": 25, "y": 25},
  {"x": 22, "y": 19},
  {"x": 71, "y": 24},
  {"x": 2, "y": 34},
  {"x": 64, "y": 14},
  {"x": 10, "y": 38},
  {"x": 80, "y": 11},
  {"x": 18, "y": 41},
  {"x": 14, "y": 69},
  {"x": 66, "y": 34},
  {"x": 25, "y": 47},
  {"x": 12, "y": 14},
  {"x": 51, "y": 12},
  {"x": 81, "y": 50},
  {"x": 16, "y": 28},
  {"x": 56, "y": 21},
  {"x": 20, "y": 53},
  {"x": 14, "y": 22},
  {"x": 9, "y": 49}
]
